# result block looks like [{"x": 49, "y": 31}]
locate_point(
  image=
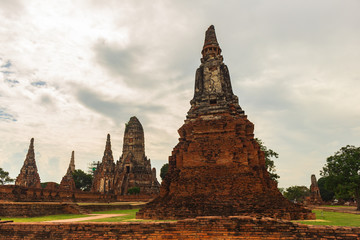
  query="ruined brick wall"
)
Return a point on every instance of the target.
[
  {"x": 13, "y": 193},
  {"x": 34, "y": 209},
  {"x": 199, "y": 228},
  {"x": 108, "y": 207}
]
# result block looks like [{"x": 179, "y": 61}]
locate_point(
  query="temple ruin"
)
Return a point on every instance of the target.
[
  {"x": 217, "y": 168},
  {"x": 67, "y": 182},
  {"x": 29, "y": 176},
  {"x": 133, "y": 168},
  {"x": 103, "y": 181},
  {"x": 315, "y": 197}
]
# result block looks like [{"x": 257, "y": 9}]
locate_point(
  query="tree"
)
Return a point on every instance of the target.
[
  {"x": 296, "y": 193},
  {"x": 343, "y": 173},
  {"x": 92, "y": 167},
  {"x": 269, "y": 163},
  {"x": 82, "y": 180},
  {"x": 134, "y": 190},
  {"x": 163, "y": 171},
  {"x": 326, "y": 194},
  {"x": 4, "y": 177}
]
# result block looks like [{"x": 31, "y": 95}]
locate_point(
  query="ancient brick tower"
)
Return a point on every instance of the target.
[
  {"x": 104, "y": 175},
  {"x": 217, "y": 168},
  {"x": 67, "y": 182},
  {"x": 315, "y": 197},
  {"x": 133, "y": 168},
  {"x": 29, "y": 176}
]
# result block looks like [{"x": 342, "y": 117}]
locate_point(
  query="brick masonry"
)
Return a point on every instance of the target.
[
  {"x": 239, "y": 227},
  {"x": 36, "y": 209},
  {"x": 23, "y": 194}
]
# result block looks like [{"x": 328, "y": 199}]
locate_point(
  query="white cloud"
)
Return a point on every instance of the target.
[{"x": 80, "y": 70}]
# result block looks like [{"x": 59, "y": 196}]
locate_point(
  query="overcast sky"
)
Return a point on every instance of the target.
[{"x": 73, "y": 71}]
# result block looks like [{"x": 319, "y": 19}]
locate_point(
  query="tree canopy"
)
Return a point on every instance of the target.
[
  {"x": 342, "y": 171},
  {"x": 82, "y": 180},
  {"x": 269, "y": 162},
  {"x": 326, "y": 194},
  {"x": 4, "y": 177},
  {"x": 163, "y": 171},
  {"x": 296, "y": 193}
]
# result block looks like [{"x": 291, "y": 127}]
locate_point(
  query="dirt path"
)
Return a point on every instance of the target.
[
  {"x": 91, "y": 217},
  {"x": 351, "y": 210}
]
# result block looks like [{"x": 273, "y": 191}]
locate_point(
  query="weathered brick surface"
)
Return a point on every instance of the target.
[
  {"x": 217, "y": 168},
  {"x": 29, "y": 176},
  {"x": 35, "y": 209},
  {"x": 239, "y": 227}
]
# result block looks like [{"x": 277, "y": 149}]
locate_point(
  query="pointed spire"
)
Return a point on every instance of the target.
[
  {"x": 71, "y": 167},
  {"x": 107, "y": 152},
  {"x": 108, "y": 142},
  {"x": 31, "y": 143},
  {"x": 211, "y": 45}
]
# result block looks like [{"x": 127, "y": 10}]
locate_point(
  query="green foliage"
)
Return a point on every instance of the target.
[
  {"x": 92, "y": 168},
  {"x": 82, "y": 180},
  {"x": 269, "y": 163},
  {"x": 326, "y": 194},
  {"x": 163, "y": 171},
  {"x": 334, "y": 219},
  {"x": 4, "y": 177},
  {"x": 134, "y": 190},
  {"x": 296, "y": 193},
  {"x": 343, "y": 173}
]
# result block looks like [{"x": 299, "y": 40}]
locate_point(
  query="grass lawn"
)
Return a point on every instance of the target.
[
  {"x": 45, "y": 218},
  {"x": 334, "y": 219}
]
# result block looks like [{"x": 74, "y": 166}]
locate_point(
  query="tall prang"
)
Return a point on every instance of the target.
[
  {"x": 67, "y": 182},
  {"x": 217, "y": 168},
  {"x": 133, "y": 168},
  {"x": 29, "y": 176},
  {"x": 104, "y": 175}
]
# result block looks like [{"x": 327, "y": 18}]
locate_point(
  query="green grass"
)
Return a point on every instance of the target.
[
  {"x": 45, "y": 218},
  {"x": 334, "y": 219}
]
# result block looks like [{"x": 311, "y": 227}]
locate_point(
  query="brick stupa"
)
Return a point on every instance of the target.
[
  {"x": 29, "y": 176},
  {"x": 217, "y": 168},
  {"x": 67, "y": 182},
  {"x": 133, "y": 168},
  {"x": 104, "y": 175},
  {"x": 315, "y": 197}
]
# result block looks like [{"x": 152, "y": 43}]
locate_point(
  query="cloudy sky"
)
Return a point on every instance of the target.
[{"x": 73, "y": 71}]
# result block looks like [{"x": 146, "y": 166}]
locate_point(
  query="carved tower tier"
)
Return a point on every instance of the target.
[{"x": 217, "y": 168}]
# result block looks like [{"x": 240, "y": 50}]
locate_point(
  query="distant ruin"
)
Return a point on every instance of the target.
[
  {"x": 217, "y": 168},
  {"x": 315, "y": 197},
  {"x": 29, "y": 176},
  {"x": 133, "y": 170},
  {"x": 111, "y": 181},
  {"x": 67, "y": 182}
]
